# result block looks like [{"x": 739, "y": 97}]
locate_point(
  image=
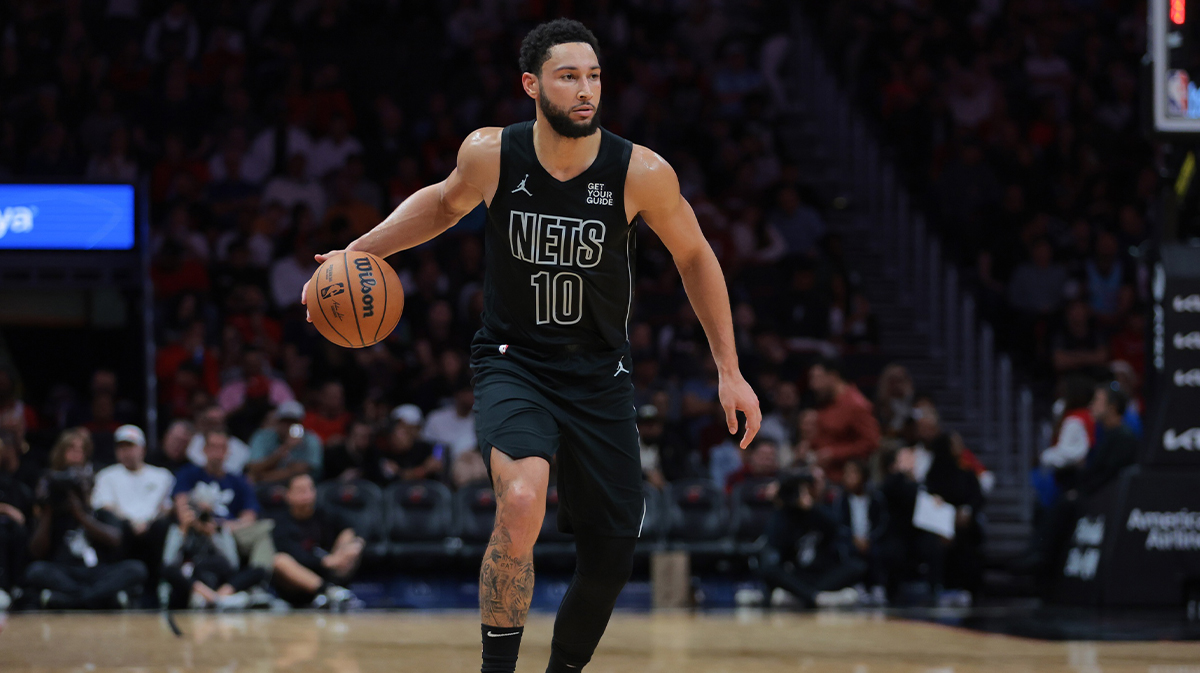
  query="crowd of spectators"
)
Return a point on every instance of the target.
[
  {"x": 192, "y": 532},
  {"x": 267, "y": 131},
  {"x": 1017, "y": 126}
]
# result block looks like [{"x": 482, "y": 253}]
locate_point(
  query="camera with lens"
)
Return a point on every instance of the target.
[
  {"x": 60, "y": 484},
  {"x": 790, "y": 484}
]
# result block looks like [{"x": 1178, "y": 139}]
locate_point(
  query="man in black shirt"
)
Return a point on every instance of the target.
[
  {"x": 77, "y": 550},
  {"x": 315, "y": 551},
  {"x": 664, "y": 453},
  {"x": 172, "y": 453},
  {"x": 1078, "y": 348},
  {"x": 1116, "y": 447},
  {"x": 401, "y": 455}
]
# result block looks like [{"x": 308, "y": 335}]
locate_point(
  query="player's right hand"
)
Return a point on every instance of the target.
[
  {"x": 304, "y": 290},
  {"x": 737, "y": 395}
]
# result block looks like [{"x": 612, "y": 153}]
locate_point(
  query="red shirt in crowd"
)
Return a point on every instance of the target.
[
  {"x": 190, "y": 276},
  {"x": 326, "y": 427},
  {"x": 172, "y": 357},
  {"x": 846, "y": 430}
]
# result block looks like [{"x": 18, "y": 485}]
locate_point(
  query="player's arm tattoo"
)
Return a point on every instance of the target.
[{"x": 505, "y": 580}]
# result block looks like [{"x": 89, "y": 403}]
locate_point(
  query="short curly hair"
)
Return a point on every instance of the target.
[{"x": 535, "y": 48}]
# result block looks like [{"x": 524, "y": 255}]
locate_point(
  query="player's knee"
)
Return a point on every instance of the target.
[{"x": 521, "y": 506}]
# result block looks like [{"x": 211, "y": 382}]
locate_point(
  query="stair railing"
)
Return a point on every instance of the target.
[{"x": 926, "y": 285}]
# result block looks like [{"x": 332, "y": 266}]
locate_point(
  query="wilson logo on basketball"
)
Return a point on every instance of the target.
[
  {"x": 366, "y": 281},
  {"x": 332, "y": 290}
]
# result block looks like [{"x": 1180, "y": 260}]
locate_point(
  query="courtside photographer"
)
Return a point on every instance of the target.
[
  {"x": 77, "y": 551},
  {"x": 803, "y": 560}
]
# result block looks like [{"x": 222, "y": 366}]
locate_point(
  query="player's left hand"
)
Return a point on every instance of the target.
[{"x": 737, "y": 395}]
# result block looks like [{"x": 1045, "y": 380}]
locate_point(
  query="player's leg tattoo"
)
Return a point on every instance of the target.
[{"x": 506, "y": 575}]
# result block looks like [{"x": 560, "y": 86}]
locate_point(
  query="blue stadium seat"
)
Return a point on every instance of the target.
[{"x": 419, "y": 519}]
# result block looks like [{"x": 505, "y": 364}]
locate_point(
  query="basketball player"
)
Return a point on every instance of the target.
[{"x": 551, "y": 361}]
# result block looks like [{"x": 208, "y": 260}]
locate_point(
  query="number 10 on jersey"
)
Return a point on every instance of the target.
[{"x": 559, "y": 297}]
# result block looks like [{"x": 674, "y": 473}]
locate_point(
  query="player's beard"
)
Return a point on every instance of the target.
[{"x": 560, "y": 120}]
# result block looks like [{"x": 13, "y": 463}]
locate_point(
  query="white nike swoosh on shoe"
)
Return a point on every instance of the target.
[{"x": 502, "y": 635}]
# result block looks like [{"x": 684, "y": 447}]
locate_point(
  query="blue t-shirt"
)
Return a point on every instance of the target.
[{"x": 229, "y": 496}]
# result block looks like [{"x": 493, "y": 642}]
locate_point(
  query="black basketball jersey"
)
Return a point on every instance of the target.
[{"x": 559, "y": 254}]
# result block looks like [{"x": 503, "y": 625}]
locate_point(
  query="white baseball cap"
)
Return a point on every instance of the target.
[
  {"x": 131, "y": 434},
  {"x": 408, "y": 413},
  {"x": 290, "y": 410}
]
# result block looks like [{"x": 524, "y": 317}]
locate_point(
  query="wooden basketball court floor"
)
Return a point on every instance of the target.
[{"x": 443, "y": 642}]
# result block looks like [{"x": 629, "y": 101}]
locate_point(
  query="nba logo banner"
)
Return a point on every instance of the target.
[{"x": 1177, "y": 93}]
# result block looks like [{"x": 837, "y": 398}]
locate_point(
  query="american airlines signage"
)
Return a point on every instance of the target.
[
  {"x": 1186, "y": 342},
  {"x": 1188, "y": 440},
  {"x": 1160, "y": 337},
  {"x": 1188, "y": 379},
  {"x": 1084, "y": 557},
  {"x": 1188, "y": 304}
]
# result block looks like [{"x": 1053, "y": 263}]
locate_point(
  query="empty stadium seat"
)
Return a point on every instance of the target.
[
  {"x": 359, "y": 503},
  {"x": 475, "y": 513},
  {"x": 419, "y": 518},
  {"x": 696, "y": 511},
  {"x": 419, "y": 511},
  {"x": 271, "y": 498},
  {"x": 751, "y": 504}
]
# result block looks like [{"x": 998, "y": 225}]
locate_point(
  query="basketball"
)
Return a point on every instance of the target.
[{"x": 355, "y": 299}]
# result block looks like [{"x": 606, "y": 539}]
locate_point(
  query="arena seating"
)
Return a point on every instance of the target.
[
  {"x": 418, "y": 518},
  {"x": 422, "y": 525},
  {"x": 358, "y": 503}
]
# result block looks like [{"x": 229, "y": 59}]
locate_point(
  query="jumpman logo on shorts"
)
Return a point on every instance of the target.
[
  {"x": 621, "y": 368},
  {"x": 521, "y": 187}
]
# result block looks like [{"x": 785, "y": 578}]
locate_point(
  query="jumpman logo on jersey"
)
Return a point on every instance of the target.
[
  {"x": 621, "y": 368},
  {"x": 521, "y": 187}
]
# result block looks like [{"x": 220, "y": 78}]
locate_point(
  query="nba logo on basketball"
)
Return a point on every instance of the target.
[{"x": 1177, "y": 93}]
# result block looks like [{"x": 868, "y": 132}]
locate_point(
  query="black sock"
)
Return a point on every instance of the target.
[{"x": 500, "y": 647}]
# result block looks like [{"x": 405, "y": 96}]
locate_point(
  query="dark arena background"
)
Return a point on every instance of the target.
[{"x": 962, "y": 245}]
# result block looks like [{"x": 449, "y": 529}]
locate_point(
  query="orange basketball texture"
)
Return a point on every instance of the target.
[{"x": 355, "y": 299}]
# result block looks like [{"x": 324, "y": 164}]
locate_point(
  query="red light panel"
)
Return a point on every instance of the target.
[{"x": 1178, "y": 12}]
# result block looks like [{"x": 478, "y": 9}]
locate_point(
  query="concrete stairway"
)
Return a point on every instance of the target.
[{"x": 809, "y": 133}]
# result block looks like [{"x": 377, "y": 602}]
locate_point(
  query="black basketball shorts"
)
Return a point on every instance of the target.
[{"x": 575, "y": 405}]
